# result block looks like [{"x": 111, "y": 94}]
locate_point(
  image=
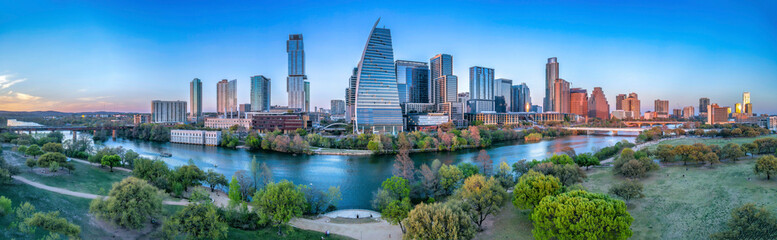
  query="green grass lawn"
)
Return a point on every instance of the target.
[
  {"x": 72, "y": 208},
  {"x": 84, "y": 178},
  {"x": 694, "y": 206},
  {"x": 272, "y": 234},
  {"x": 716, "y": 141},
  {"x": 509, "y": 223}
]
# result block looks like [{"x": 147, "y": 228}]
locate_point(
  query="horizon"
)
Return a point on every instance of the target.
[{"x": 118, "y": 57}]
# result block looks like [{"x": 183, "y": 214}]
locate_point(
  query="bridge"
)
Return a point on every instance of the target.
[
  {"x": 330, "y": 127},
  {"x": 74, "y": 129},
  {"x": 651, "y": 123},
  {"x": 615, "y": 131}
]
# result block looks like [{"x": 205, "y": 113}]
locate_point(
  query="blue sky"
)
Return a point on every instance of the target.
[{"x": 118, "y": 56}]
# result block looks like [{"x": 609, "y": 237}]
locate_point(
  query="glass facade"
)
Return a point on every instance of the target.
[
  {"x": 441, "y": 65},
  {"x": 521, "y": 98},
  {"x": 481, "y": 89},
  {"x": 295, "y": 82},
  {"x": 260, "y": 94},
  {"x": 195, "y": 99},
  {"x": 377, "y": 98},
  {"x": 412, "y": 81}
]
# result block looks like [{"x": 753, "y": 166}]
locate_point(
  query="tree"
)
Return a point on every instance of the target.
[
  {"x": 468, "y": 169},
  {"x": 586, "y": 160},
  {"x": 129, "y": 204},
  {"x": 197, "y": 221},
  {"x": 247, "y": 184},
  {"x": 215, "y": 179},
  {"x": 52, "y": 147},
  {"x": 450, "y": 176},
  {"x": 504, "y": 176},
  {"x": 31, "y": 163},
  {"x": 53, "y": 223},
  {"x": 481, "y": 197},
  {"x": 751, "y": 148},
  {"x": 403, "y": 165},
  {"x": 629, "y": 189},
  {"x": 665, "y": 152},
  {"x": 710, "y": 157},
  {"x": 155, "y": 172},
  {"x": 53, "y": 157},
  {"x": 485, "y": 162},
  {"x": 429, "y": 181},
  {"x": 393, "y": 200},
  {"x": 581, "y": 215},
  {"x": 749, "y": 222},
  {"x": 766, "y": 165},
  {"x": 187, "y": 175},
  {"x": 235, "y": 197},
  {"x": 627, "y": 166},
  {"x": 397, "y": 211},
  {"x": 438, "y": 221},
  {"x": 25, "y": 211},
  {"x": 129, "y": 158},
  {"x": 533, "y": 187},
  {"x": 5, "y": 206},
  {"x": 521, "y": 167},
  {"x": 568, "y": 174},
  {"x": 732, "y": 151},
  {"x": 110, "y": 160},
  {"x": 22, "y": 150},
  {"x": 34, "y": 151},
  {"x": 277, "y": 203}
]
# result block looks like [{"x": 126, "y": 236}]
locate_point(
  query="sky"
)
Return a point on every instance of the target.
[{"x": 119, "y": 55}]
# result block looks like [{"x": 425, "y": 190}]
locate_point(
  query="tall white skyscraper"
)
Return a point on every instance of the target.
[
  {"x": 226, "y": 98},
  {"x": 295, "y": 82}
]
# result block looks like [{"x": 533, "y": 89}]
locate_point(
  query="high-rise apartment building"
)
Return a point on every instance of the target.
[
  {"x": 504, "y": 87},
  {"x": 337, "y": 107},
  {"x": 560, "y": 97},
  {"x": 551, "y": 74},
  {"x": 746, "y": 106},
  {"x": 703, "y": 104},
  {"x": 441, "y": 65},
  {"x": 412, "y": 81},
  {"x": 448, "y": 85},
  {"x": 717, "y": 114},
  {"x": 578, "y": 102},
  {"x": 195, "y": 100},
  {"x": 688, "y": 112},
  {"x": 619, "y": 101},
  {"x": 307, "y": 97},
  {"x": 521, "y": 98},
  {"x": 677, "y": 113},
  {"x": 295, "y": 82},
  {"x": 168, "y": 111},
  {"x": 661, "y": 108},
  {"x": 377, "y": 99},
  {"x": 629, "y": 103},
  {"x": 738, "y": 108},
  {"x": 481, "y": 89},
  {"x": 463, "y": 98},
  {"x": 226, "y": 98},
  {"x": 350, "y": 96},
  {"x": 598, "y": 106},
  {"x": 260, "y": 93}
]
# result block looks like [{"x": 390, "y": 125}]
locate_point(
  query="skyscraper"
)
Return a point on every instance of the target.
[
  {"x": 703, "y": 104},
  {"x": 412, "y": 81},
  {"x": 448, "y": 85},
  {"x": 578, "y": 102},
  {"x": 168, "y": 111},
  {"x": 503, "y": 87},
  {"x": 597, "y": 105},
  {"x": 551, "y": 74},
  {"x": 521, "y": 98},
  {"x": 661, "y": 108},
  {"x": 560, "y": 97},
  {"x": 441, "y": 65},
  {"x": 377, "y": 99},
  {"x": 481, "y": 89},
  {"x": 337, "y": 107},
  {"x": 195, "y": 99},
  {"x": 295, "y": 82},
  {"x": 631, "y": 104},
  {"x": 260, "y": 94},
  {"x": 619, "y": 101},
  {"x": 226, "y": 98},
  {"x": 738, "y": 108},
  {"x": 307, "y": 97},
  {"x": 350, "y": 96},
  {"x": 746, "y": 106}
]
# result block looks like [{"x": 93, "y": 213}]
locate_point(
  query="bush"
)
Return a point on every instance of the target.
[{"x": 629, "y": 189}]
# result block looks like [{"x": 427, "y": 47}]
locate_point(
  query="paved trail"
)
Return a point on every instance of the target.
[
  {"x": 641, "y": 146},
  {"x": 183, "y": 202},
  {"x": 377, "y": 230}
]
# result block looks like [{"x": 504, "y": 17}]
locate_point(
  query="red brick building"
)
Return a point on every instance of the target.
[{"x": 285, "y": 122}]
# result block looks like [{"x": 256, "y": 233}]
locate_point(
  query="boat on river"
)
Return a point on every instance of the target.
[{"x": 164, "y": 154}]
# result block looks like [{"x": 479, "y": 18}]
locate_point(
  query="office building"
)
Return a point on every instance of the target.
[
  {"x": 598, "y": 107},
  {"x": 226, "y": 98},
  {"x": 285, "y": 122},
  {"x": 521, "y": 98},
  {"x": 137, "y": 119},
  {"x": 661, "y": 108},
  {"x": 622, "y": 114},
  {"x": 518, "y": 118},
  {"x": 225, "y": 123},
  {"x": 448, "y": 85},
  {"x": 377, "y": 99},
  {"x": 536, "y": 108},
  {"x": 481, "y": 89},
  {"x": 619, "y": 101},
  {"x": 551, "y": 74},
  {"x": 242, "y": 109},
  {"x": 738, "y": 108},
  {"x": 500, "y": 104},
  {"x": 307, "y": 97},
  {"x": 412, "y": 81},
  {"x": 337, "y": 107},
  {"x": 677, "y": 113},
  {"x": 747, "y": 107},
  {"x": 503, "y": 87},
  {"x": 630, "y": 103},
  {"x": 197, "y": 137},
  {"x": 440, "y": 65},
  {"x": 428, "y": 121},
  {"x": 195, "y": 100},
  {"x": 717, "y": 114},
  {"x": 703, "y": 104},
  {"x": 168, "y": 111},
  {"x": 350, "y": 97},
  {"x": 464, "y": 98},
  {"x": 295, "y": 82},
  {"x": 260, "y": 94},
  {"x": 688, "y": 112},
  {"x": 560, "y": 98},
  {"x": 578, "y": 102}
]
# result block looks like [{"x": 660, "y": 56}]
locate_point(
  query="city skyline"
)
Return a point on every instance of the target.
[{"x": 675, "y": 64}]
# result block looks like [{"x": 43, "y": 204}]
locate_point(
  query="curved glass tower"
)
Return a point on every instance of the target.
[{"x": 377, "y": 100}]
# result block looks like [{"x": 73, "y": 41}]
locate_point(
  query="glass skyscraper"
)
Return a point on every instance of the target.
[
  {"x": 226, "y": 98},
  {"x": 295, "y": 82},
  {"x": 195, "y": 99},
  {"x": 260, "y": 94},
  {"x": 440, "y": 89},
  {"x": 481, "y": 89},
  {"x": 521, "y": 98},
  {"x": 377, "y": 99},
  {"x": 412, "y": 81},
  {"x": 551, "y": 74}
]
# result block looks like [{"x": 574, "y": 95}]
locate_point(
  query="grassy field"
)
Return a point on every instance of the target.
[
  {"x": 693, "y": 206},
  {"x": 272, "y": 234},
  {"x": 84, "y": 178},
  {"x": 509, "y": 223},
  {"x": 716, "y": 141}
]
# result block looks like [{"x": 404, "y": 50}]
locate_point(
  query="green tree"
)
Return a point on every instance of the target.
[
  {"x": 468, "y": 169},
  {"x": 153, "y": 171},
  {"x": 665, "y": 152},
  {"x": 129, "y": 158},
  {"x": 438, "y": 221},
  {"x": 533, "y": 187},
  {"x": 110, "y": 161},
  {"x": 581, "y": 215},
  {"x": 766, "y": 165},
  {"x": 393, "y": 200},
  {"x": 215, "y": 179},
  {"x": 629, "y": 189},
  {"x": 504, "y": 175},
  {"x": 521, "y": 167},
  {"x": 751, "y": 148},
  {"x": 5, "y": 206},
  {"x": 277, "y": 203},
  {"x": 732, "y": 151},
  {"x": 749, "y": 222},
  {"x": 485, "y": 162},
  {"x": 187, "y": 175},
  {"x": 25, "y": 211},
  {"x": 31, "y": 163},
  {"x": 196, "y": 221},
  {"x": 481, "y": 197},
  {"x": 235, "y": 197},
  {"x": 397, "y": 211},
  {"x": 52, "y": 147},
  {"x": 586, "y": 160},
  {"x": 53, "y": 157},
  {"x": 130, "y": 203},
  {"x": 22, "y": 150},
  {"x": 53, "y": 223},
  {"x": 450, "y": 177},
  {"x": 34, "y": 151}
]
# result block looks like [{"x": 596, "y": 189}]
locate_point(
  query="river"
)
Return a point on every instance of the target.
[{"x": 357, "y": 176}]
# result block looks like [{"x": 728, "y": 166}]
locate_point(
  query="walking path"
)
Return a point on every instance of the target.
[
  {"x": 641, "y": 146},
  {"x": 98, "y": 165},
  {"x": 376, "y": 230},
  {"x": 182, "y": 202}
]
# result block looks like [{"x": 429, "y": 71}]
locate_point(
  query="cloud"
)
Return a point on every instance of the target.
[
  {"x": 6, "y": 81},
  {"x": 90, "y": 99}
]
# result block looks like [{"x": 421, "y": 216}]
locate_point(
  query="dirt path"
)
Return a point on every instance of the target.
[
  {"x": 641, "y": 146},
  {"x": 182, "y": 202},
  {"x": 378, "y": 230},
  {"x": 98, "y": 165}
]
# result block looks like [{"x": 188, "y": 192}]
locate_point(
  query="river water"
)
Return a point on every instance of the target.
[{"x": 357, "y": 176}]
